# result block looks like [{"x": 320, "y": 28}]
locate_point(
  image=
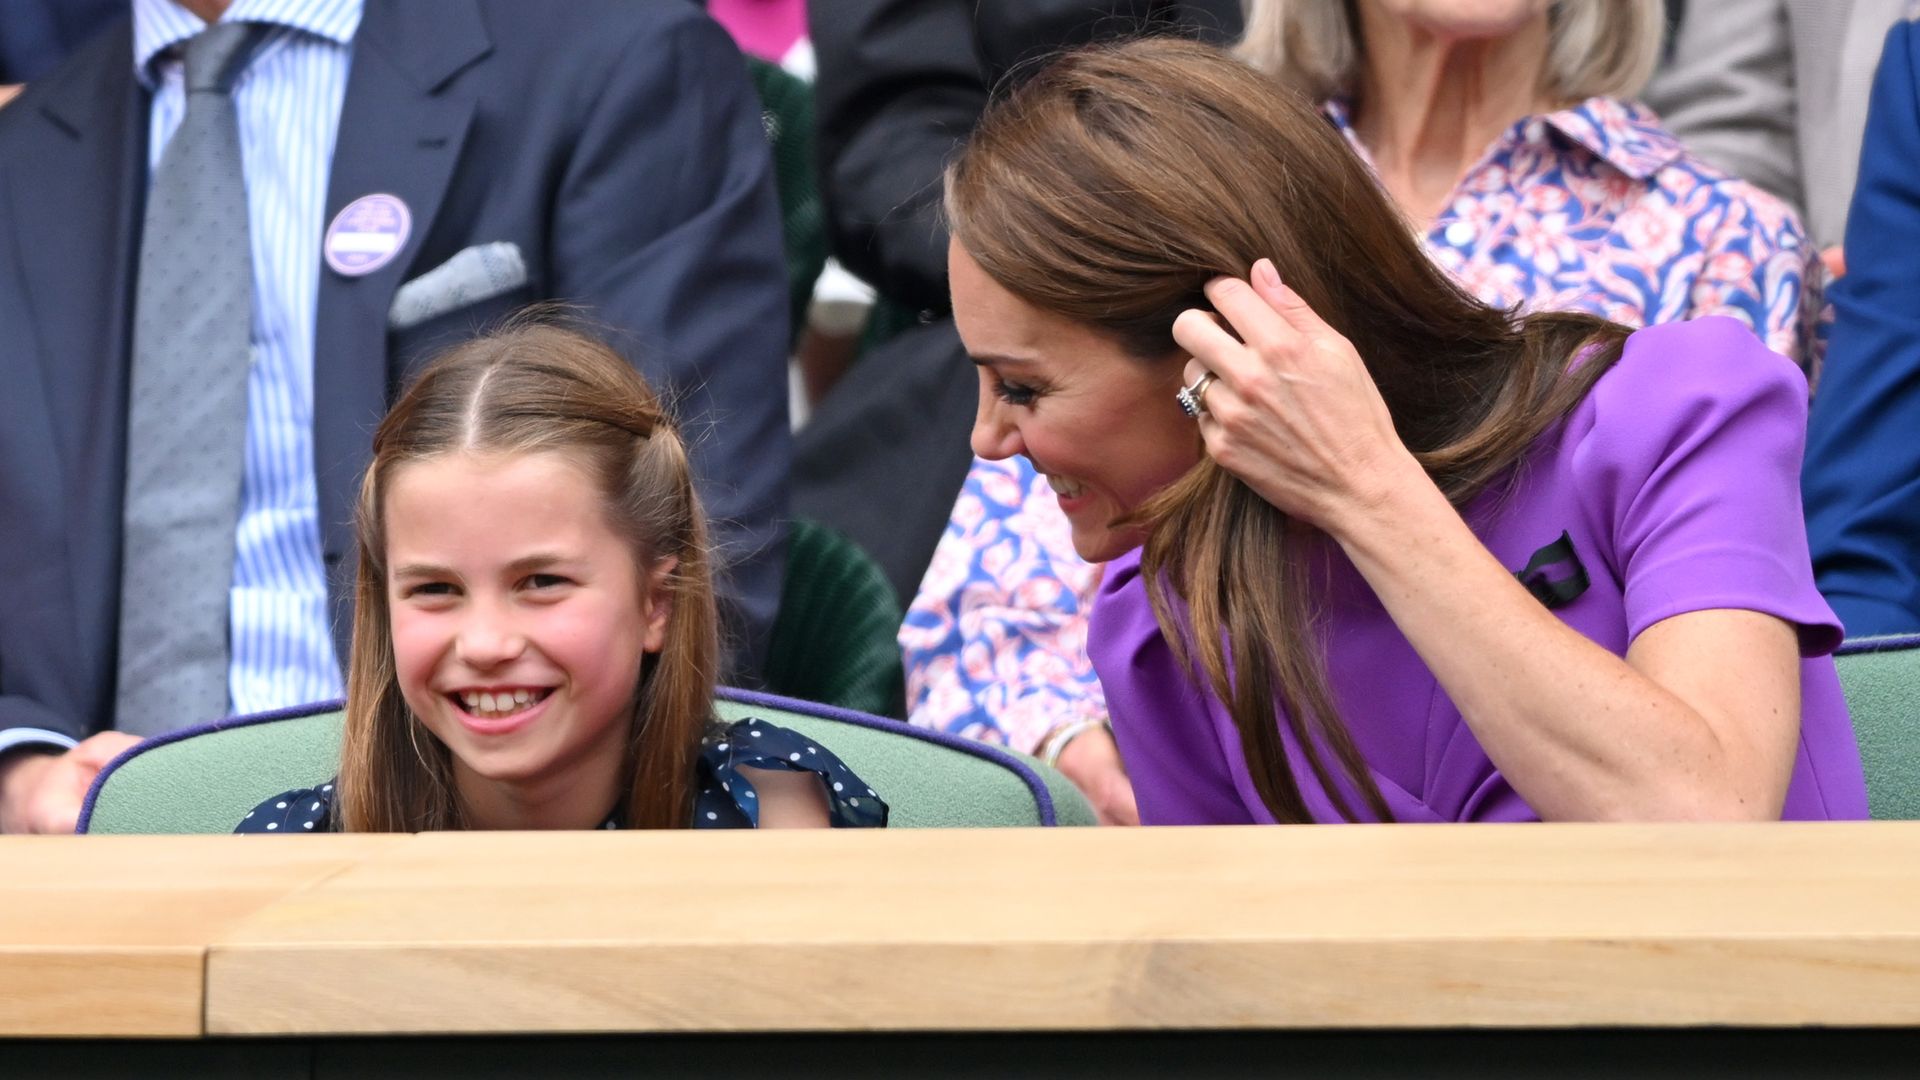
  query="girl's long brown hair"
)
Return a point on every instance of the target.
[
  {"x": 527, "y": 388},
  {"x": 1110, "y": 188}
]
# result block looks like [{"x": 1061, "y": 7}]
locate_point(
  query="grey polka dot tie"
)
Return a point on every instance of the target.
[{"x": 187, "y": 409}]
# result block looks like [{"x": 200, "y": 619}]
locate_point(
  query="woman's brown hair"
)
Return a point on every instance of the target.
[
  {"x": 1110, "y": 188},
  {"x": 527, "y": 388}
]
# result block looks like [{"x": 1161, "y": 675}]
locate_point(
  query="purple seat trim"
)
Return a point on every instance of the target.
[{"x": 1889, "y": 643}]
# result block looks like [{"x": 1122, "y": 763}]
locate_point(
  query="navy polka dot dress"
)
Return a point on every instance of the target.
[{"x": 724, "y": 799}]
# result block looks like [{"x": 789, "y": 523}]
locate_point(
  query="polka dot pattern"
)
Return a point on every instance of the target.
[
  {"x": 726, "y": 799},
  {"x": 757, "y": 744}
]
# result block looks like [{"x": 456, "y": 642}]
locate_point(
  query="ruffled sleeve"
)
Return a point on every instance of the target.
[
  {"x": 727, "y": 799},
  {"x": 301, "y": 810}
]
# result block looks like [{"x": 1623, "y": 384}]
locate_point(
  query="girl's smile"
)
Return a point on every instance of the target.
[
  {"x": 497, "y": 712},
  {"x": 520, "y": 624}
]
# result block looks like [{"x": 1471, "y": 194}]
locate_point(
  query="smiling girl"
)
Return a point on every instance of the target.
[{"x": 535, "y": 642}]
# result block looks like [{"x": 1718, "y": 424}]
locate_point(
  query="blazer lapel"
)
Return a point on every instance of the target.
[
  {"x": 401, "y": 131},
  {"x": 78, "y": 242}
]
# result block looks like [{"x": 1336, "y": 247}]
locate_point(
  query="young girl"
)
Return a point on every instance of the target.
[{"x": 534, "y": 641}]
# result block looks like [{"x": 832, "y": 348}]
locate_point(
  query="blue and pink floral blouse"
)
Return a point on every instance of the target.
[{"x": 1594, "y": 208}]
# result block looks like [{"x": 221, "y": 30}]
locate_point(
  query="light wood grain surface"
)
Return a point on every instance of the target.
[
  {"x": 108, "y": 935},
  {"x": 1089, "y": 929}
]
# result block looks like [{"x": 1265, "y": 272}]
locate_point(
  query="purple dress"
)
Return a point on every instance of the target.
[
  {"x": 1594, "y": 208},
  {"x": 1677, "y": 483}
]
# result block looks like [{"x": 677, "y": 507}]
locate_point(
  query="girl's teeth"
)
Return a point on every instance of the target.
[
  {"x": 492, "y": 705},
  {"x": 1068, "y": 488}
]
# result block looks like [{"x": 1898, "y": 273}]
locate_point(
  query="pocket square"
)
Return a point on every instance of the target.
[{"x": 478, "y": 273}]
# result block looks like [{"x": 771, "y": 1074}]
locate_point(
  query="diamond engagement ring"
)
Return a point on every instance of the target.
[{"x": 1193, "y": 399}]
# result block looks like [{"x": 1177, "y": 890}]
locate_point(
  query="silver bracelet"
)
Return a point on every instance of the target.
[{"x": 1057, "y": 739}]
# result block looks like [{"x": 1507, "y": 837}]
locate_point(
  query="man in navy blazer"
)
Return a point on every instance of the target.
[
  {"x": 616, "y": 143},
  {"x": 1862, "y": 476}
]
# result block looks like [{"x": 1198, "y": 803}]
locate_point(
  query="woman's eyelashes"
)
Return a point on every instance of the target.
[{"x": 1014, "y": 393}]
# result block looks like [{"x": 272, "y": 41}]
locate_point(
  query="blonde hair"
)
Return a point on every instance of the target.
[
  {"x": 534, "y": 387},
  {"x": 1597, "y": 48}
]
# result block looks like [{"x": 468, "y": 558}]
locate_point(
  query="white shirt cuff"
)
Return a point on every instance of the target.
[{"x": 29, "y": 736}]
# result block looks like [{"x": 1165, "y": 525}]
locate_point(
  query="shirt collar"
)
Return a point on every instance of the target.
[
  {"x": 159, "y": 25},
  {"x": 1624, "y": 134}
]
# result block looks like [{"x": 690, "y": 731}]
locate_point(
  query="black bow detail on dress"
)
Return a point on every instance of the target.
[{"x": 1554, "y": 575}]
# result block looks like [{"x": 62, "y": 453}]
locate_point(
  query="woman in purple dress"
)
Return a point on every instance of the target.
[
  {"x": 1505, "y": 133},
  {"x": 1420, "y": 559}
]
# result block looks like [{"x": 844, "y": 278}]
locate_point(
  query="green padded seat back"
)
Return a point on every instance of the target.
[
  {"x": 205, "y": 779},
  {"x": 929, "y": 779},
  {"x": 835, "y": 639},
  {"x": 1881, "y": 678}
]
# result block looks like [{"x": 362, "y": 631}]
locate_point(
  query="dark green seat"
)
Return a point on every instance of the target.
[
  {"x": 835, "y": 639},
  {"x": 1881, "y": 678},
  {"x": 205, "y": 779},
  {"x": 786, "y": 103}
]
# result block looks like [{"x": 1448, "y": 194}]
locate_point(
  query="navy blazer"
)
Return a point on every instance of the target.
[
  {"x": 1862, "y": 475},
  {"x": 617, "y": 142},
  {"x": 35, "y": 35}
]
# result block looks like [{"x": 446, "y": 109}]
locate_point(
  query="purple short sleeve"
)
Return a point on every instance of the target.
[{"x": 1692, "y": 446}]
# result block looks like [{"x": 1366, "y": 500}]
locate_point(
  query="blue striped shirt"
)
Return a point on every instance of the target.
[{"x": 288, "y": 100}]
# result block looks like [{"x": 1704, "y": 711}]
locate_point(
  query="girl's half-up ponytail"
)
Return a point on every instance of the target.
[{"x": 535, "y": 386}]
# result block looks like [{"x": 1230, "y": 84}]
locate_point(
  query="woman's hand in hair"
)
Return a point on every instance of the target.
[
  {"x": 1700, "y": 720},
  {"x": 1292, "y": 410}
]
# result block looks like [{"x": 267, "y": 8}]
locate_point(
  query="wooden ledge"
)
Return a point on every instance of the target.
[
  {"x": 1398, "y": 926},
  {"x": 108, "y": 935}
]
